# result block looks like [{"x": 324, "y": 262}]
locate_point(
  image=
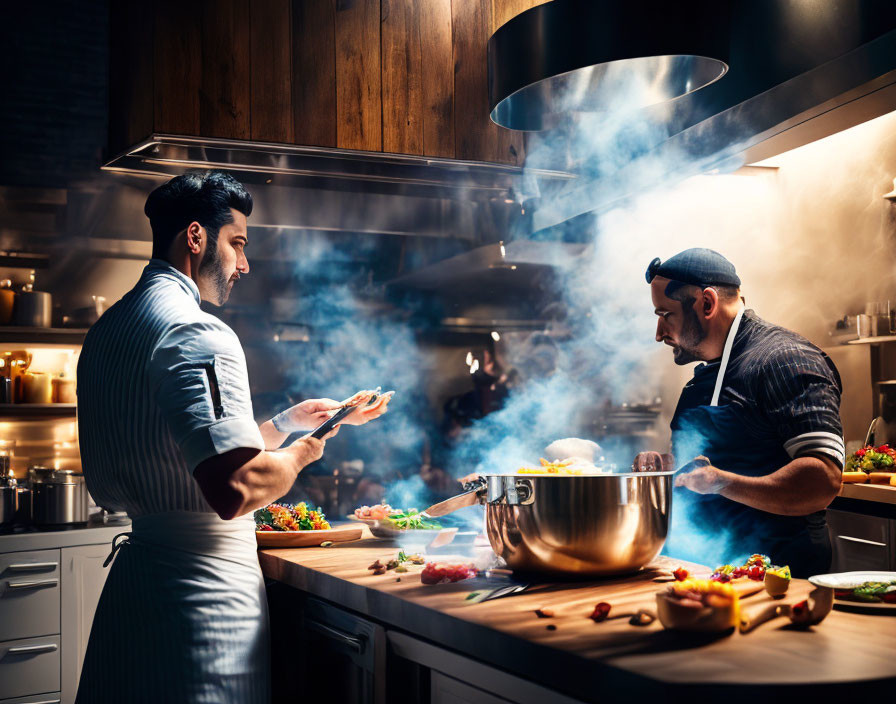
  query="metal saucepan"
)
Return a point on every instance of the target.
[
  {"x": 576, "y": 525},
  {"x": 58, "y": 496}
]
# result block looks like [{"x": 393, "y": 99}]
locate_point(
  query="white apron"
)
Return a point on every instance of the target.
[{"x": 182, "y": 617}]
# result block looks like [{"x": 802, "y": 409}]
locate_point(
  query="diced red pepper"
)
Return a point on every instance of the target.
[
  {"x": 681, "y": 574},
  {"x": 600, "y": 613},
  {"x": 889, "y": 597}
]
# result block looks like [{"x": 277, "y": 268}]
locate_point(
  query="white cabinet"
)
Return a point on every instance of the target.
[
  {"x": 83, "y": 577},
  {"x": 50, "y": 584}
]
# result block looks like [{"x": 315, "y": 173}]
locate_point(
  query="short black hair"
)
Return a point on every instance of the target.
[
  {"x": 686, "y": 294},
  {"x": 205, "y": 197}
]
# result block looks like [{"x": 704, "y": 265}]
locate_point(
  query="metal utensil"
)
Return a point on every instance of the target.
[
  {"x": 497, "y": 593},
  {"x": 334, "y": 420}
]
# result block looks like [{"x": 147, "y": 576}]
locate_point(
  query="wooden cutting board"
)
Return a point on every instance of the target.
[{"x": 305, "y": 538}]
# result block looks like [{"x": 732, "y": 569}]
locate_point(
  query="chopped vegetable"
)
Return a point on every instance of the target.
[
  {"x": 681, "y": 574},
  {"x": 600, "y": 613},
  {"x": 440, "y": 572},
  {"x": 285, "y": 517},
  {"x": 412, "y": 520},
  {"x": 754, "y": 568},
  {"x": 870, "y": 459}
]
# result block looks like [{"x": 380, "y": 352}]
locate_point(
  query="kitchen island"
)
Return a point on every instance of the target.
[{"x": 501, "y": 650}]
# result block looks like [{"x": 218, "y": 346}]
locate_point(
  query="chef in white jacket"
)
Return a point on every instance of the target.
[{"x": 167, "y": 434}]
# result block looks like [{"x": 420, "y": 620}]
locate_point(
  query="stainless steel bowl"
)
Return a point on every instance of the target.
[{"x": 583, "y": 525}]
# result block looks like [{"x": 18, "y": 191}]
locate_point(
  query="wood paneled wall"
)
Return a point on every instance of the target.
[{"x": 404, "y": 76}]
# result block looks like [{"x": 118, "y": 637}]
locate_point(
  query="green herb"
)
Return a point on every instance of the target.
[
  {"x": 471, "y": 595},
  {"x": 412, "y": 520}
]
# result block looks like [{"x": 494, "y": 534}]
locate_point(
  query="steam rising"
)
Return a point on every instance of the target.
[{"x": 610, "y": 354}]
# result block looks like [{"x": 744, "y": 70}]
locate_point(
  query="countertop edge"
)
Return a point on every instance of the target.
[{"x": 57, "y": 539}]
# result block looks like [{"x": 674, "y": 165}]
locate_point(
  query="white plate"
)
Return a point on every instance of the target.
[
  {"x": 850, "y": 580},
  {"x": 417, "y": 536}
]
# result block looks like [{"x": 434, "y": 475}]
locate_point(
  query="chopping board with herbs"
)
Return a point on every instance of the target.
[{"x": 557, "y": 620}]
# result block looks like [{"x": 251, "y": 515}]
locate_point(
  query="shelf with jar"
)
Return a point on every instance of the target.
[{"x": 38, "y": 382}]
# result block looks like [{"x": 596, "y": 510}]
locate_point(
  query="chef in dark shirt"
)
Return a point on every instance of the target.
[{"x": 761, "y": 417}]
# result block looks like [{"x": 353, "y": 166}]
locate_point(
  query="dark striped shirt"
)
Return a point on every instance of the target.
[{"x": 787, "y": 389}]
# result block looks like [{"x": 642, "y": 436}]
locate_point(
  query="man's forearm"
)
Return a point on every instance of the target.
[
  {"x": 265, "y": 478},
  {"x": 242, "y": 480},
  {"x": 805, "y": 485},
  {"x": 272, "y": 437}
]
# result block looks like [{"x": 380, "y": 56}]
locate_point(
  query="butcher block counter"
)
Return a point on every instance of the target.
[{"x": 586, "y": 661}]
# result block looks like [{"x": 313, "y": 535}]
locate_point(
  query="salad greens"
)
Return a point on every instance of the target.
[
  {"x": 412, "y": 520},
  {"x": 872, "y": 592}
]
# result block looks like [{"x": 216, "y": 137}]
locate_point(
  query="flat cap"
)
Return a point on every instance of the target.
[{"x": 697, "y": 266}]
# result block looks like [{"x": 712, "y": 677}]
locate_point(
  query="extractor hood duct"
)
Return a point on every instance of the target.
[
  {"x": 798, "y": 71},
  {"x": 571, "y": 56}
]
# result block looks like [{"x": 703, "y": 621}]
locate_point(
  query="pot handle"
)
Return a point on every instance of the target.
[
  {"x": 511, "y": 490},
  {"x": 474, "y": 493}
]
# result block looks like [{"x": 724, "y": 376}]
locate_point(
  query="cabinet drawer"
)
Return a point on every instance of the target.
[
  {"x": 29, "y": 666},
  {"x": 859, "y": 542},
  {"x": 29, "y": 594},
  {"x": 51, "y": 698},
  {"x": 860, "y": 526}
]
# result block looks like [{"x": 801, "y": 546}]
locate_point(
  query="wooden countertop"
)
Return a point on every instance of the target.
[
  {"x": 588, "y": 660},
  {"x": 869, "y": 492}
]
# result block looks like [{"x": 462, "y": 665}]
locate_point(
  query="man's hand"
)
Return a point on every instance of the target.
[
  {"x": 309, "y": 449},
  {"x": 653, "y": 462},
  {"x": 703, "y": 477},
  {"x": 309, "y": 414},
  {"x": 364, "y": 413}
]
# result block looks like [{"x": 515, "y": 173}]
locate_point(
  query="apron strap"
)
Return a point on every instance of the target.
[
  {"x": 726, "y": 355},
  {"x": 116, "y": 546}
]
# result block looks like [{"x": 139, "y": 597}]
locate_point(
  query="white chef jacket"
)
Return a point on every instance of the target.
[
  {"x": 148, "y": 409},
  {"x": 163, "y": 386}
]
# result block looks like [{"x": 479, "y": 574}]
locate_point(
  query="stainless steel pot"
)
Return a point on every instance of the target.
[
  {"x": 33, "y": 309},
  {"x": 58, "y": 496},
  {"x": 582, "y": 525}
]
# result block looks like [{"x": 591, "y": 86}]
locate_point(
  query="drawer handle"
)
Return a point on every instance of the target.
[
  {"x": 36, "y": 584},
  {"x": 47, "y": 701},
  {"x": 354, "y": 642},
  {"x": 861, "y": 540},
  {"x": 32, "y": 649},
  {"x": 30, "y": 566}
]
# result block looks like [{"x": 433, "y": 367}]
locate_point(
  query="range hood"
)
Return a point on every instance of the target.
[
  {"x": 798, "y": 71},
  {"x": 324, "y": 168},
  {"x": 586, "y": 54}
]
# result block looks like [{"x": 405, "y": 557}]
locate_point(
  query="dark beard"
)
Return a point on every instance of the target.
[
  {"x": 691, "y": 336},
  {"x": 211, "y": 266}
]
